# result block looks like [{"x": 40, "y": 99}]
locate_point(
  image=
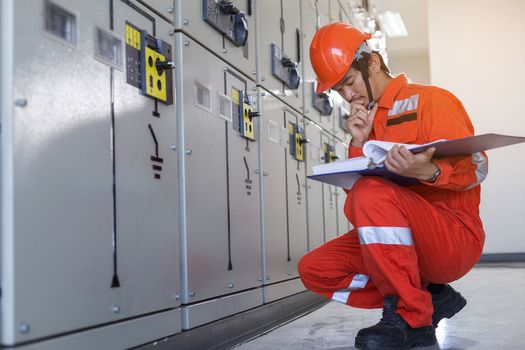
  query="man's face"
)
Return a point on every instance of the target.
[{"x": 352, "y": 88}]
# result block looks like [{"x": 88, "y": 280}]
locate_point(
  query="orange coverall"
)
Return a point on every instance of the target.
[{"x": 406, "y": 237}]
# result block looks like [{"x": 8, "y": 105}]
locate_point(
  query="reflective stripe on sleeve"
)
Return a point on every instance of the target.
[
  {"x": 385, "y": 235},
  {"x": 358, "y": 282},
  {"x": 482, "y": 168}
]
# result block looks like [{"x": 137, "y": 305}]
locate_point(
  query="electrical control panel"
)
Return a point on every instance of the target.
[
  {"x": 149, "y": 64},
  {"x": 227, "y": 19},
  {"x": 284, "y": 68},
  {"x": 329, "y": 153},
  {"x": 243, "y": 113}
]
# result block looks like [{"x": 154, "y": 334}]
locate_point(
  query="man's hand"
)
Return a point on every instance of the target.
[
  {"x": 360, "y": 123},
  {"x": 401, "y": 161}
]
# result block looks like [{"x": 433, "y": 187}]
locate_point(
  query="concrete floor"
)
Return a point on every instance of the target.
[{"x": 494, "y": 318}]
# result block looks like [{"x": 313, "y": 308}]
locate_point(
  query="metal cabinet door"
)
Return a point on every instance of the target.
[
  {"x": 57, "y": 214},
  {"x": 315, "y": 202},
  {"x": 296, "y": 196},
  {"x": 145, "y": 182},
  {"x": 222, "y": 207},
  {"x": 274, "y": 140},
  {"x": 329, "y": 200}
]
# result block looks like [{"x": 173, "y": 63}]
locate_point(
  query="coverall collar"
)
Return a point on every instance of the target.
[{"x": 387, "y": 100}]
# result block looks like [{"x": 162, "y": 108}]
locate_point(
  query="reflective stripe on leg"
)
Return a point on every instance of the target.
[
  {"x": 385, "y": 235},
  {"x": 358, "y": 282}
]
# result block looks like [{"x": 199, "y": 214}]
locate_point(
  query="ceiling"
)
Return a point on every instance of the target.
[{"x": 414, "y": 14}]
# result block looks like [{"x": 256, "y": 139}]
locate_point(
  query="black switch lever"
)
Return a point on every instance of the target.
[
  {"x": 301, "y": 141},
  {"x": 165, "y": 65},
  {"x": 228, "y": 7},
  {"x": 253, "y": 114},
  {"x": 288, "y": 62}
]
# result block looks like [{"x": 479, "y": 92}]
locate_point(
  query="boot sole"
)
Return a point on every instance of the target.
[
  {"x": 370, "y": 343},
  {"x": 457, "y": 304}
]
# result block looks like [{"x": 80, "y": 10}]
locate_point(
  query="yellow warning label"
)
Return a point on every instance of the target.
[
  {"x": 132, "y": 37},
  {"x": 291, "y": 128},
  {"x": 249, "y": 131},
  {"x": 299, "y": 147},
  {"x": 155, "y": 79},
  {"x": 235, "y": 96}
]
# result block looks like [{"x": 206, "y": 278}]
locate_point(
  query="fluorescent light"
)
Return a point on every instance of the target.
[{"x": 392, "y": 24}]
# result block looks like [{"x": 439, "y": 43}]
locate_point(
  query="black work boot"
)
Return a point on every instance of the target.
[
  {"x": 393, "y": 333},
  {"x": 446, "y": 301}
]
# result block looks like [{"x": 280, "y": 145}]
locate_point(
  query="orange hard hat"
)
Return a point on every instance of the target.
[{"x": 333, "y": 49}]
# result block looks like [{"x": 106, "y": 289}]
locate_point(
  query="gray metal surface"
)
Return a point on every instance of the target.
[
  {"x": 296, "y": 188},
  {"x": 282, "y": 290},
  {"x": 285, "y": 233},
  {"x": 281, "y": 31},
  {"x": 121, "y": 335},
  {"x": 64, "y": 243},
  {"x": 189, "y": 19},
  {"x": 329, "y": 200},
  {"x": 222, "y": 209},
  {"x": 274, "y": 142},
  {"x": 312, "y": 14},
  {"x": 60, "y": 239},
  {"x": 214, "y": 309},
  {"x": 316, "y": 235},
  {"x": 147, "y": 198}
]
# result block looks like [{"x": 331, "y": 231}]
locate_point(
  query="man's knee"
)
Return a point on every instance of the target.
[
  {"x": 368, "y": 190},
  {"x": 304, "y": 265}
]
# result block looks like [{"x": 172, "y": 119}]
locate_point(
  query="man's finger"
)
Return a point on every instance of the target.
[
  {"x": 405, "y": 153},
  {"x": 372, "y": 113}
]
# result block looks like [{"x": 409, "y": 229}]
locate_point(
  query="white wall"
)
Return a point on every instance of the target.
[
  {"x": 477, "y": 51},
  {"x": 416, "y": 67}
]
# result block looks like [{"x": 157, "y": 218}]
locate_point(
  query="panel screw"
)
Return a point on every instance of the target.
[
  {"x": 254, "y": 72},
  {"x": 173, "y": 147},
  {"x": 115, "y": 309},
  {"x": 22, "y": 102},
  {"x": 24, "y": 328},
  {"x": 172, "y": 32},
  {"x": 189, "y": 151},
  {"x": 259, "y": 279},
  {"x": 268, "y": 278},
  {"x": 263, "y": 93},
  {"x": 176, "y": 296},
  {"x": 263, "y": 78},
  {"x": 186, "y": 43},
  {"x": 224, "y": 50},
  {"x": 230, "y": 285},
  {"x": 186, "y": 21},
  {"x": 191, "y": 293},
  {"x": 170, "y": 9}
]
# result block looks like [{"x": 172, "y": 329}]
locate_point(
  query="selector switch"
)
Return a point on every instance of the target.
[
  {"x": 284, "y": 68},
  {"x": 329, "y": 153},
  {"x": 322, "y": 102},
  {"x": 227, "y": 19}
]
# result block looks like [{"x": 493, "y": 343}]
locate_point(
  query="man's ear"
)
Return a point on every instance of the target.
[{"x": 374, "y": 63}]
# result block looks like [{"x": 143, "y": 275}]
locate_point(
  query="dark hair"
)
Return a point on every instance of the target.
[{"x": 364, "y": 61}]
